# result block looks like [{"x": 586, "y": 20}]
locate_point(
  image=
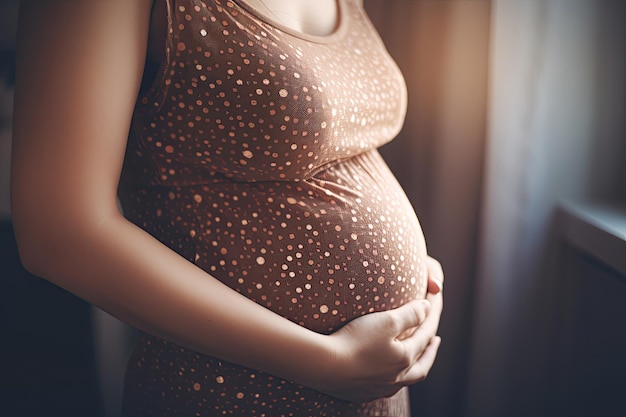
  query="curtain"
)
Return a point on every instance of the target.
[
  {"x": 514, "y": 106},
  {"x": 555, "y": 133}
]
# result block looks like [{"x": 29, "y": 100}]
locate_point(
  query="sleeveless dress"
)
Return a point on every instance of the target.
[{"x": 254, "y": 156}]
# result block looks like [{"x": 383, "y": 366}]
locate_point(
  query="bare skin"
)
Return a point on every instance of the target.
[
  {"x": 79, "y": 69},
  {"x": 319, "y": 17}
]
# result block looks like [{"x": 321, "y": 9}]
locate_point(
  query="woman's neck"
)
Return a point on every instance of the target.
[{"x": 313, "y": 17}]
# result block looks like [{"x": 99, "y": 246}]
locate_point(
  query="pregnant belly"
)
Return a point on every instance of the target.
[{"x": 319, "y": 252}]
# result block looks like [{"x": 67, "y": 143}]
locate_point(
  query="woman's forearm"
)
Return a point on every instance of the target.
[{"x": 122, "y": 269}]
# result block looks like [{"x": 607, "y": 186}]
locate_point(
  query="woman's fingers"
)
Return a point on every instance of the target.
[
  {"x": 409, "y": 316},
  {"x": 434, "y": 285},
  {"x": 435, "y": 275},
  {"x": 427, "y": 330},
  {"x": 421, "y": 367}
]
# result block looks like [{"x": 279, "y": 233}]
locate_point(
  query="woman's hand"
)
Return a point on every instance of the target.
[{"x": 382, "y": 352}]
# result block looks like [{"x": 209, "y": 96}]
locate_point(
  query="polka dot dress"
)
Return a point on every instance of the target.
[{"x": 253, "y": 155}]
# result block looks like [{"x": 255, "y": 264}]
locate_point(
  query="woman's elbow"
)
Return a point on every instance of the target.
[
  {"x": 43, "y": 238},
  {"x": 32, "y": 249}
]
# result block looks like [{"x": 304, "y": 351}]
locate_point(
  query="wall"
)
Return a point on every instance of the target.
[{"x": 588, "y": 366}]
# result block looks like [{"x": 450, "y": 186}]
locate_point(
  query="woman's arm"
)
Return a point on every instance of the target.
[{"x": 78, "y": 73}]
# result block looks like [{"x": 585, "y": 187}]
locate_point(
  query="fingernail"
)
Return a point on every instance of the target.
[{"x": 438, "y": 283}]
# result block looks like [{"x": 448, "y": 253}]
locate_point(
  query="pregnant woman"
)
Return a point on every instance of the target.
[{"x": 265, "y": 248}]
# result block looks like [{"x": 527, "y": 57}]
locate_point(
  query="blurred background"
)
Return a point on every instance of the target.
[{"x": 514, "y": 156}]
